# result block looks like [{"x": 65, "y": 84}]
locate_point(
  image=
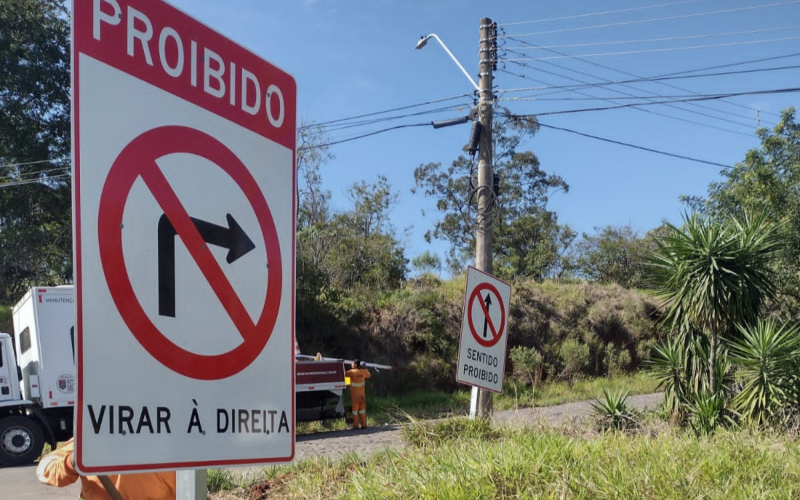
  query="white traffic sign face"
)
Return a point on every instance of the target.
[
  {"x": 482, "y": 348},
  {"x": 183, "y": 150}
]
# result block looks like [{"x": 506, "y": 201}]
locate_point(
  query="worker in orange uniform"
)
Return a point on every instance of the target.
[
  {"x": 58, "y": 469},
  {"x": 358, "y": 375}
]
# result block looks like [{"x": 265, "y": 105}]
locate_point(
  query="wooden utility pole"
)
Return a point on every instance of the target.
[{"x": 486, "y": 201}]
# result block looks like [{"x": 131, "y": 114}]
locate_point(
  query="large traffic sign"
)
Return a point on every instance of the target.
[
  {"x": 482, "y": 347},
  {"x": 183, "y": 151}
]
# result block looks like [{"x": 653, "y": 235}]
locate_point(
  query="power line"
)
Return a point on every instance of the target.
[
  {"x": 376, "y": 132},
  {"x": 650, "y": 51},
  {"x": 729, "y": 65},
  {"x": 401, "y": 108},
  {"x": 654, "y": 40},
  {"x": 22, "y": 164},
  {"x": 344, "y": 126},
  {"x": 652, "y": 20},
  {"x": 649, "y": 111},
  {"x": 643, "y": 110},
  {"x": 692, "y": 99},
  {"x": 31, "y": 181},
  {"x": 31, "y": 174},
  {"x": 651, "y": 99},
  {"x": 643, "y": 79},
  {"x": 593, "y": 14},
  {"x": 635, "y": 146},
  {"x": 604, "y": 66}
]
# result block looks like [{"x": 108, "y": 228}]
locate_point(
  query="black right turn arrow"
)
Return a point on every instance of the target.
[{"x": 232, "y": 237}]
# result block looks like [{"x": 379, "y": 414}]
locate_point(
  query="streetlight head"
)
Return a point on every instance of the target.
[{"x": 423, "y": 40}]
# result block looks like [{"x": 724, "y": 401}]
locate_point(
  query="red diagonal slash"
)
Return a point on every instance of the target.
[
  {"x": 179, "y": 217},
  {"x": 497, "y": 333},
  {"x": 138, "y": 159}
]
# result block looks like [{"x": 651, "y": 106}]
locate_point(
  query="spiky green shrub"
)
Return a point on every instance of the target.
[
  {"x": 612, "y": 412},
  {"x": 768, "y": 367},
  {"x": 708, "y": 412}
]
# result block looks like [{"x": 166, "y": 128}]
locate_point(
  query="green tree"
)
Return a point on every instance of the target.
[
  {"x": 714, "y": 274},
  {"x": 313, "y": 214},
  {"x": 611, "y": 255},
  {"x": 363, "y": 249},
  {"x": 766, "y": 181},
  {"x": 35, "y": 201},
  {"x": 313, "y": 200},
  {"x": 527, "y": 239},
  {"x": 427, "y": 262}
]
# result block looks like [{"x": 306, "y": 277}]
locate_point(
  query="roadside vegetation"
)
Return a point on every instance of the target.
[{"x": 463, "y": 459}]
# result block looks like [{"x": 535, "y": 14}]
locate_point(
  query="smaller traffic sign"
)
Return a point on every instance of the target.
[{"x": 482, "y": 347}]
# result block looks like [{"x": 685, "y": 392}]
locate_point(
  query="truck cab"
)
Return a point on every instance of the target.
[
  {"x": 37, "y": 375},
  {"x": 10, "y": 375}
]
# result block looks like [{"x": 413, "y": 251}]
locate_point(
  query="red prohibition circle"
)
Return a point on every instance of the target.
[
  {"x": 138, "y": 160},
  {"x": 497, "y": 333}
]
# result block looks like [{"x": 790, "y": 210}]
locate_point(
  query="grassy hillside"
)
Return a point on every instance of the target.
[{"x": 579, "y": 330}]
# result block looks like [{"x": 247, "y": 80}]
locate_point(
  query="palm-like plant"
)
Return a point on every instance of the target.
[
  {"x": 613, "y": 413},
  {"x": 714, "y": 274},
  {"x": 668, "y": 363},
  {"x": 767, "y": 358},
  {"x": 681, "y": 366}
]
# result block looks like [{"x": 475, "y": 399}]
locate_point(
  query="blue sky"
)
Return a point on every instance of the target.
[{"x": 353, "y": 57}]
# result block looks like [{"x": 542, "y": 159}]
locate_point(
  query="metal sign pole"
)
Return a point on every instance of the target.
[{"x": 192, "y": 484}]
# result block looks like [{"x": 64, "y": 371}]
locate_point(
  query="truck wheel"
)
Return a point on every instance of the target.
[{"x": 21, "y": 441}]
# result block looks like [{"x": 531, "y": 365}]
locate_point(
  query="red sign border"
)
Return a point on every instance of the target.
[
  {"x": 160, "y": 142},
  {"x": 476, "y": 293},
  {"x": 461, "y": 334},
  {"x": 75, "y": 51}
]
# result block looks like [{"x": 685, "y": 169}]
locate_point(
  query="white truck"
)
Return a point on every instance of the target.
[
  {"x": 38, "y": 384},
  {"x": 37, "y": 375}
]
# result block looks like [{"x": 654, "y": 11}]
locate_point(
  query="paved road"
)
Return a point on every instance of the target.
[{"x": 19, "y": 483}]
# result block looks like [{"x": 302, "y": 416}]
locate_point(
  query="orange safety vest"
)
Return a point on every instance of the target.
[
  {"x": 357, "y": 378},
  {"x": 57, "y": 469}
]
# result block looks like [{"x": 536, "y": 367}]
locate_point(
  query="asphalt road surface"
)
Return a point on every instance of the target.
[{"x": 20, "y": 483}]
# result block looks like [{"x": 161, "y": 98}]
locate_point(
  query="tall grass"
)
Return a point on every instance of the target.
[
  {"x": 549, "y": 464},
  {"x": 555, "y": 393}
]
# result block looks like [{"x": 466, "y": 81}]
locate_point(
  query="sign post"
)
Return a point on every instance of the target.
[
  {"x": 184, "y": 185},
  {"x": 482, "y": 345}
]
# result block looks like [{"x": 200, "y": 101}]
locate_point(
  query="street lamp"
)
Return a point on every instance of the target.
[{"x": 424, "y": 41}]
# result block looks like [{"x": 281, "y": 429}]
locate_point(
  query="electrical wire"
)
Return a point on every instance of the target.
[
  {"x": 654, "y": 40},
  {"x": 729, "y": 65},
  {"x": 31, "y": 174},
  {"x": 31, "y": 181},
  {"x": 635, "y": 146},
  {"x": 593, "y": 14},
  {"x": 679, "y": 98},
  {"x": 607, "y": 67},
  {"x": 651, "y": 51},
  {"x": 652, "y": 20},
  {"x": 375, "y": 113},
  {"x": 692, "y": 99},
  {"x": 22, "y": 164},
  {"x": 344, "y": 126},
  {"x": 376, "y": 132},
  {"x": 636, "y": 80},
  {"x": 686, "y": 120}
]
